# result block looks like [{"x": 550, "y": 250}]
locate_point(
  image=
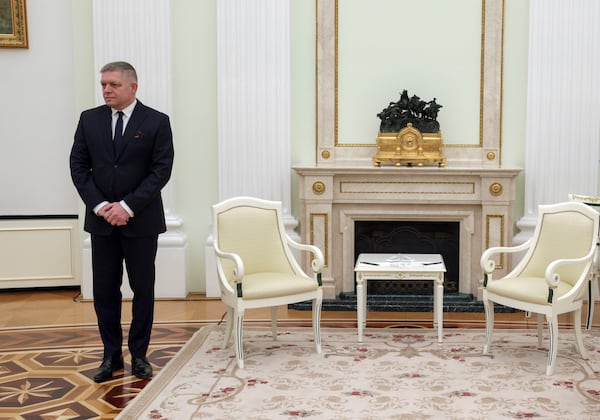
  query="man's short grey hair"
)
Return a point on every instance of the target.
[{"x": 121, "y": 66}]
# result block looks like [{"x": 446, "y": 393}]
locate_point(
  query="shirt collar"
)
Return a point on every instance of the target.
[{"x": 127, "y": 110}]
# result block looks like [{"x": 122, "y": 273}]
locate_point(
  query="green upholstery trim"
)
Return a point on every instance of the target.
[
  {"x": 319, "y": 279},
  {"x": 239, "y": 289},
  {"x": 485, "y": 279},
  {"x": 550, "y": 294}
]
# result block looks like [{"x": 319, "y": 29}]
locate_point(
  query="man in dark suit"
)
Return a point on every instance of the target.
[{"x": 121, "y": 158}]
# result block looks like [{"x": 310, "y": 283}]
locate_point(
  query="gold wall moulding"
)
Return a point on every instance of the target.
[
  {"x": 409, "y": 147},
  {"x": 318, "y": 187},
  {"x": 319, "y": 234},
  {"x": 495, "y": 223},
  {"x": 496, "y": 189}
]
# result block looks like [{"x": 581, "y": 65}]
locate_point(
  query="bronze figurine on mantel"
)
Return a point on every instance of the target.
[{"x": 409, "y": 133}]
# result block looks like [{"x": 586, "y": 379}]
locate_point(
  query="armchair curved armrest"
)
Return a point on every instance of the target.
[
  {"x": 488, "y": 265},
  {"x": 318, "y": 261},
  {"x": 238, "y": 271},
  {"x": 553, "y": 278}
]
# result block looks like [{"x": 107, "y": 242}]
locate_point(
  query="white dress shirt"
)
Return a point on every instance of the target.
[{"x": 126, "y": 115}]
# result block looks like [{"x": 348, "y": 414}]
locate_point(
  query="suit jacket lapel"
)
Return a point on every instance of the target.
[
  {"x": 136, "y": 119},
  {"x": 106, "y": 130}
]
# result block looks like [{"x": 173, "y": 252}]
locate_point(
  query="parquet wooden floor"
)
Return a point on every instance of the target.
[{"x": 50, "y": 348}]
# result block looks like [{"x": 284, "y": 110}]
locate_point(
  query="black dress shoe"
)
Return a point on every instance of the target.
[
  {"x": 141, "y": 367},
  {"x": 107, "y": 368}
]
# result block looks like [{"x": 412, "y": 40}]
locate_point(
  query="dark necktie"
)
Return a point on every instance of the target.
[{"x": 118, "y": 138}]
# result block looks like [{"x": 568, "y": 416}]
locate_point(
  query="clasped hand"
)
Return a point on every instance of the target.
[{"x": 114, "y": 214}]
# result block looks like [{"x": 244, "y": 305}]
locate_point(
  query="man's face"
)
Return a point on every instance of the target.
[{"x": 118, "y": 89}]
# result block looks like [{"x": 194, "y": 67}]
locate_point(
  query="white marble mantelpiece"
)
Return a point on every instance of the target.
[{"x": 333, "y": 198}]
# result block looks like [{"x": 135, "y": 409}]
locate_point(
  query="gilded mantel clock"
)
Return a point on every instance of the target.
[{"x": 409, "y": 133}]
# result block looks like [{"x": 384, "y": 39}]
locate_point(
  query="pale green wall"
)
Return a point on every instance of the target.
[
  {"x": 194, "y": 113},
  {"x": 303, "y": 95},
  {"x": 195, "y": 125},
  {"x": 514, "y": 91},
  {"x": 412, "y": 45},
  {"x": 85, "y": 74}
]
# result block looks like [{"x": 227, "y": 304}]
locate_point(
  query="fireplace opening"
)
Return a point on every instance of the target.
[{"x": 410, "y": 237}]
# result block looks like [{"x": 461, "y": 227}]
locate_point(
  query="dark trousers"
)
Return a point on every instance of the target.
[{"x": 139, "y": 254}]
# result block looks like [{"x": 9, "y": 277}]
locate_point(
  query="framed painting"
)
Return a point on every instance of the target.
[{"x": 13, "y": 24}]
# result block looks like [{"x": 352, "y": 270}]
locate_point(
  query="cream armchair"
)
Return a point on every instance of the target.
[
  {"x": 552, "y": 277},
  {"x": 593, "y": 202},
  {"x": 256, "y": 268}
]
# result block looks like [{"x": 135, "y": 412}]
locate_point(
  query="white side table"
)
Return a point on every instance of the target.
[{"x": 400, "y": 267}]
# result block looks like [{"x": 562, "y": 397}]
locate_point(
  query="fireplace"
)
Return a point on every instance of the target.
[
  {"x": 410, "y": 237},
  {"x": 474, "y": 206}
]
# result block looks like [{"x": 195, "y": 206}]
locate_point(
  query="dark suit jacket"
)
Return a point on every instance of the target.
[{"x": 136, "y": 174}]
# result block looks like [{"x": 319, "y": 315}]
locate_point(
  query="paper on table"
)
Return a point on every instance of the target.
[
  {"x": 401, "y": 264},
  {"x": 400, "y": 258}
]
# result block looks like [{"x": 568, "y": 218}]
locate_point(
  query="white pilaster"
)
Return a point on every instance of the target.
[
  {"x": 253, "y": 60},
  {"x": 563, "y": 105},
  {"x": 139, "y": 32}
]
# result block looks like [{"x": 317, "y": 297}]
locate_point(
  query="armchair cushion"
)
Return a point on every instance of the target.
[
  {"x": 270, "y": 285},
  {"x": 526, "y": 289}
]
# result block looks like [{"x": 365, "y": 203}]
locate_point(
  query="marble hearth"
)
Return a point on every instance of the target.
[{"x": 335, "y": 198}]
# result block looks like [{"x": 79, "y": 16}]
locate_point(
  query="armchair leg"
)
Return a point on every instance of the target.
[
  {"x": 578, "y": 336},
  {"x": 489, "y": 324},
  {"x": 540, "y": 329},
  {"x": 592, "y": 284},
  {"x": 316, "y": 320},
  {"x": 228, "y": 327},
  {"x": 553, "y": 342},
  {"x": 239, "y": 333},
  {"x": 274, "y": 322}
]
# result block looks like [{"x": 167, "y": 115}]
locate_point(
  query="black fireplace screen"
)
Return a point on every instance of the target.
[{"x": 410, "y": 237}]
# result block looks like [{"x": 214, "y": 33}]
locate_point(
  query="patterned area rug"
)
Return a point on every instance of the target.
[
  {"x": 395, "y": 374},
  {"x": 46, "y": 372}
]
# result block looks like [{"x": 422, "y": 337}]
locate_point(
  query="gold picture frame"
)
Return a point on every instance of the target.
[{"x": 13, "y": 24}]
